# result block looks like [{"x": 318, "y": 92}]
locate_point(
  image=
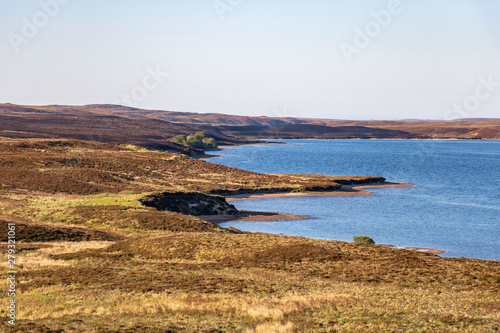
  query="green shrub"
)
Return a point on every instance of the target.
[
  {"x": 363, "y": 240},
  {"x": 210, "y": 142},
  {"x": 180, "y": 140},
  {"x": 196, "y": 140}
]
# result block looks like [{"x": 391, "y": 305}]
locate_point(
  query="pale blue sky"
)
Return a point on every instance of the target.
[{"x": 259, "y": 57}]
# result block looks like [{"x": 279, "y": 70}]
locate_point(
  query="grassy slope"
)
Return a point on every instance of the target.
[{"x": 128, "y": 267}]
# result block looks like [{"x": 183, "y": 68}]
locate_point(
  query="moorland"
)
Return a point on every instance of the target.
[
  {"x": 92, "y": 257},
  {"x": 87, "y": 188},
  {"x": 154, "y": 129}
]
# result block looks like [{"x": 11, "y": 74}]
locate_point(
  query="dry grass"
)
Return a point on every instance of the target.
[
  {"x": 176, "y": 273},
  {"x": 195, "y": 282},
  {"x": 39, "y": 255},
  {"x": 274, "y": 327},
  {"x": 77, "y": 167}
]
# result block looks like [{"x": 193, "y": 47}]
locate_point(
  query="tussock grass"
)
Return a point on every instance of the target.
[{"x": 204, "y": 281}]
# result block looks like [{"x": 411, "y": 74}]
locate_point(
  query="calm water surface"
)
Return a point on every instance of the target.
[{"x": 455, "y": 205}]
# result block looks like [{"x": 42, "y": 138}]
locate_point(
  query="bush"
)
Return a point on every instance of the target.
[
  {"x": 180, "y": 140},
  {"x": 363, "y": 240},
  {"x": 196, "y": 140},
  {"x": 210, "y": 143}
]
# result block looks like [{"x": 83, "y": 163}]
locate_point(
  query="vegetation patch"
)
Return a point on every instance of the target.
[
  {"x": 80, "y": 168},
  {"x": 214, "y": 281},
  {"x": 38, "y": 232},
  {"x": 363, "y": 240},
  {"x": 138, "y": 219},
  {"x": 197, "y": 140}
]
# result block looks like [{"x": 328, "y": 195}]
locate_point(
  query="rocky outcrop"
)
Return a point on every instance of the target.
[{"x": 190, "y": 203}]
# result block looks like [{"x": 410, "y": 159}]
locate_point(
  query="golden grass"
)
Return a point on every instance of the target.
[
  {"x": 32, "y": 260},
  {"x": 254, "y": 295},
  {"x": 344, "y": 307}
]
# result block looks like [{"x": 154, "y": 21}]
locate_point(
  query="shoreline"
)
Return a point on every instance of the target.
[
  {"x": 252, "y": 215},
  {"x": 345, "y": 191},
  {"x": 413, "y": 248}
]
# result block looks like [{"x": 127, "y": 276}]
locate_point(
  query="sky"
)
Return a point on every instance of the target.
[{"x": 356, "y": 59}]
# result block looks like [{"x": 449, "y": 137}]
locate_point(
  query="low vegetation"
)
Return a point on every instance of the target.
[
  {"x": 363, "y": 240},
  {"x": 153, "y": 128},
  {"x": 199, "y": 282},
  {"x": 85, "y": 168},
  {"x": 196, "y": 140},
  {"x": 92, "y": 258}
]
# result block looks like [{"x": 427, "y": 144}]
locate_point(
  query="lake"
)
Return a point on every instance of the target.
[{"x": 455, "y": 205}]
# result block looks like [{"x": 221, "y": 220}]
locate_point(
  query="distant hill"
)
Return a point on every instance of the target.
[
  {"x": 311, "y": 131},
  {"x": 477, "y": 119},
  {"x": 99, "y": 124},
  {"x": 155, "y": 128},
  {"x": 135, "y": 113}
]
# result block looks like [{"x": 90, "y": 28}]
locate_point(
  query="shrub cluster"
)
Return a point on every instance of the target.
[
  {"x": 196, "y": 140},
  {"x": 363, "y": 240}
]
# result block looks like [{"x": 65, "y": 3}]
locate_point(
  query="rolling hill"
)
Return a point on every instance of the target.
[{"x": 153, "y": 129}]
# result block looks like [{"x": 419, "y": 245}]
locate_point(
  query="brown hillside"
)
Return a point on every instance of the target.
[
  {"x": 80, "y": 167},
  {"x": 154, "y": 128}
]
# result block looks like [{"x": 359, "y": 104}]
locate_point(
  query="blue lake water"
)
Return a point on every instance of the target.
[{"x": 455, "y": 205}]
